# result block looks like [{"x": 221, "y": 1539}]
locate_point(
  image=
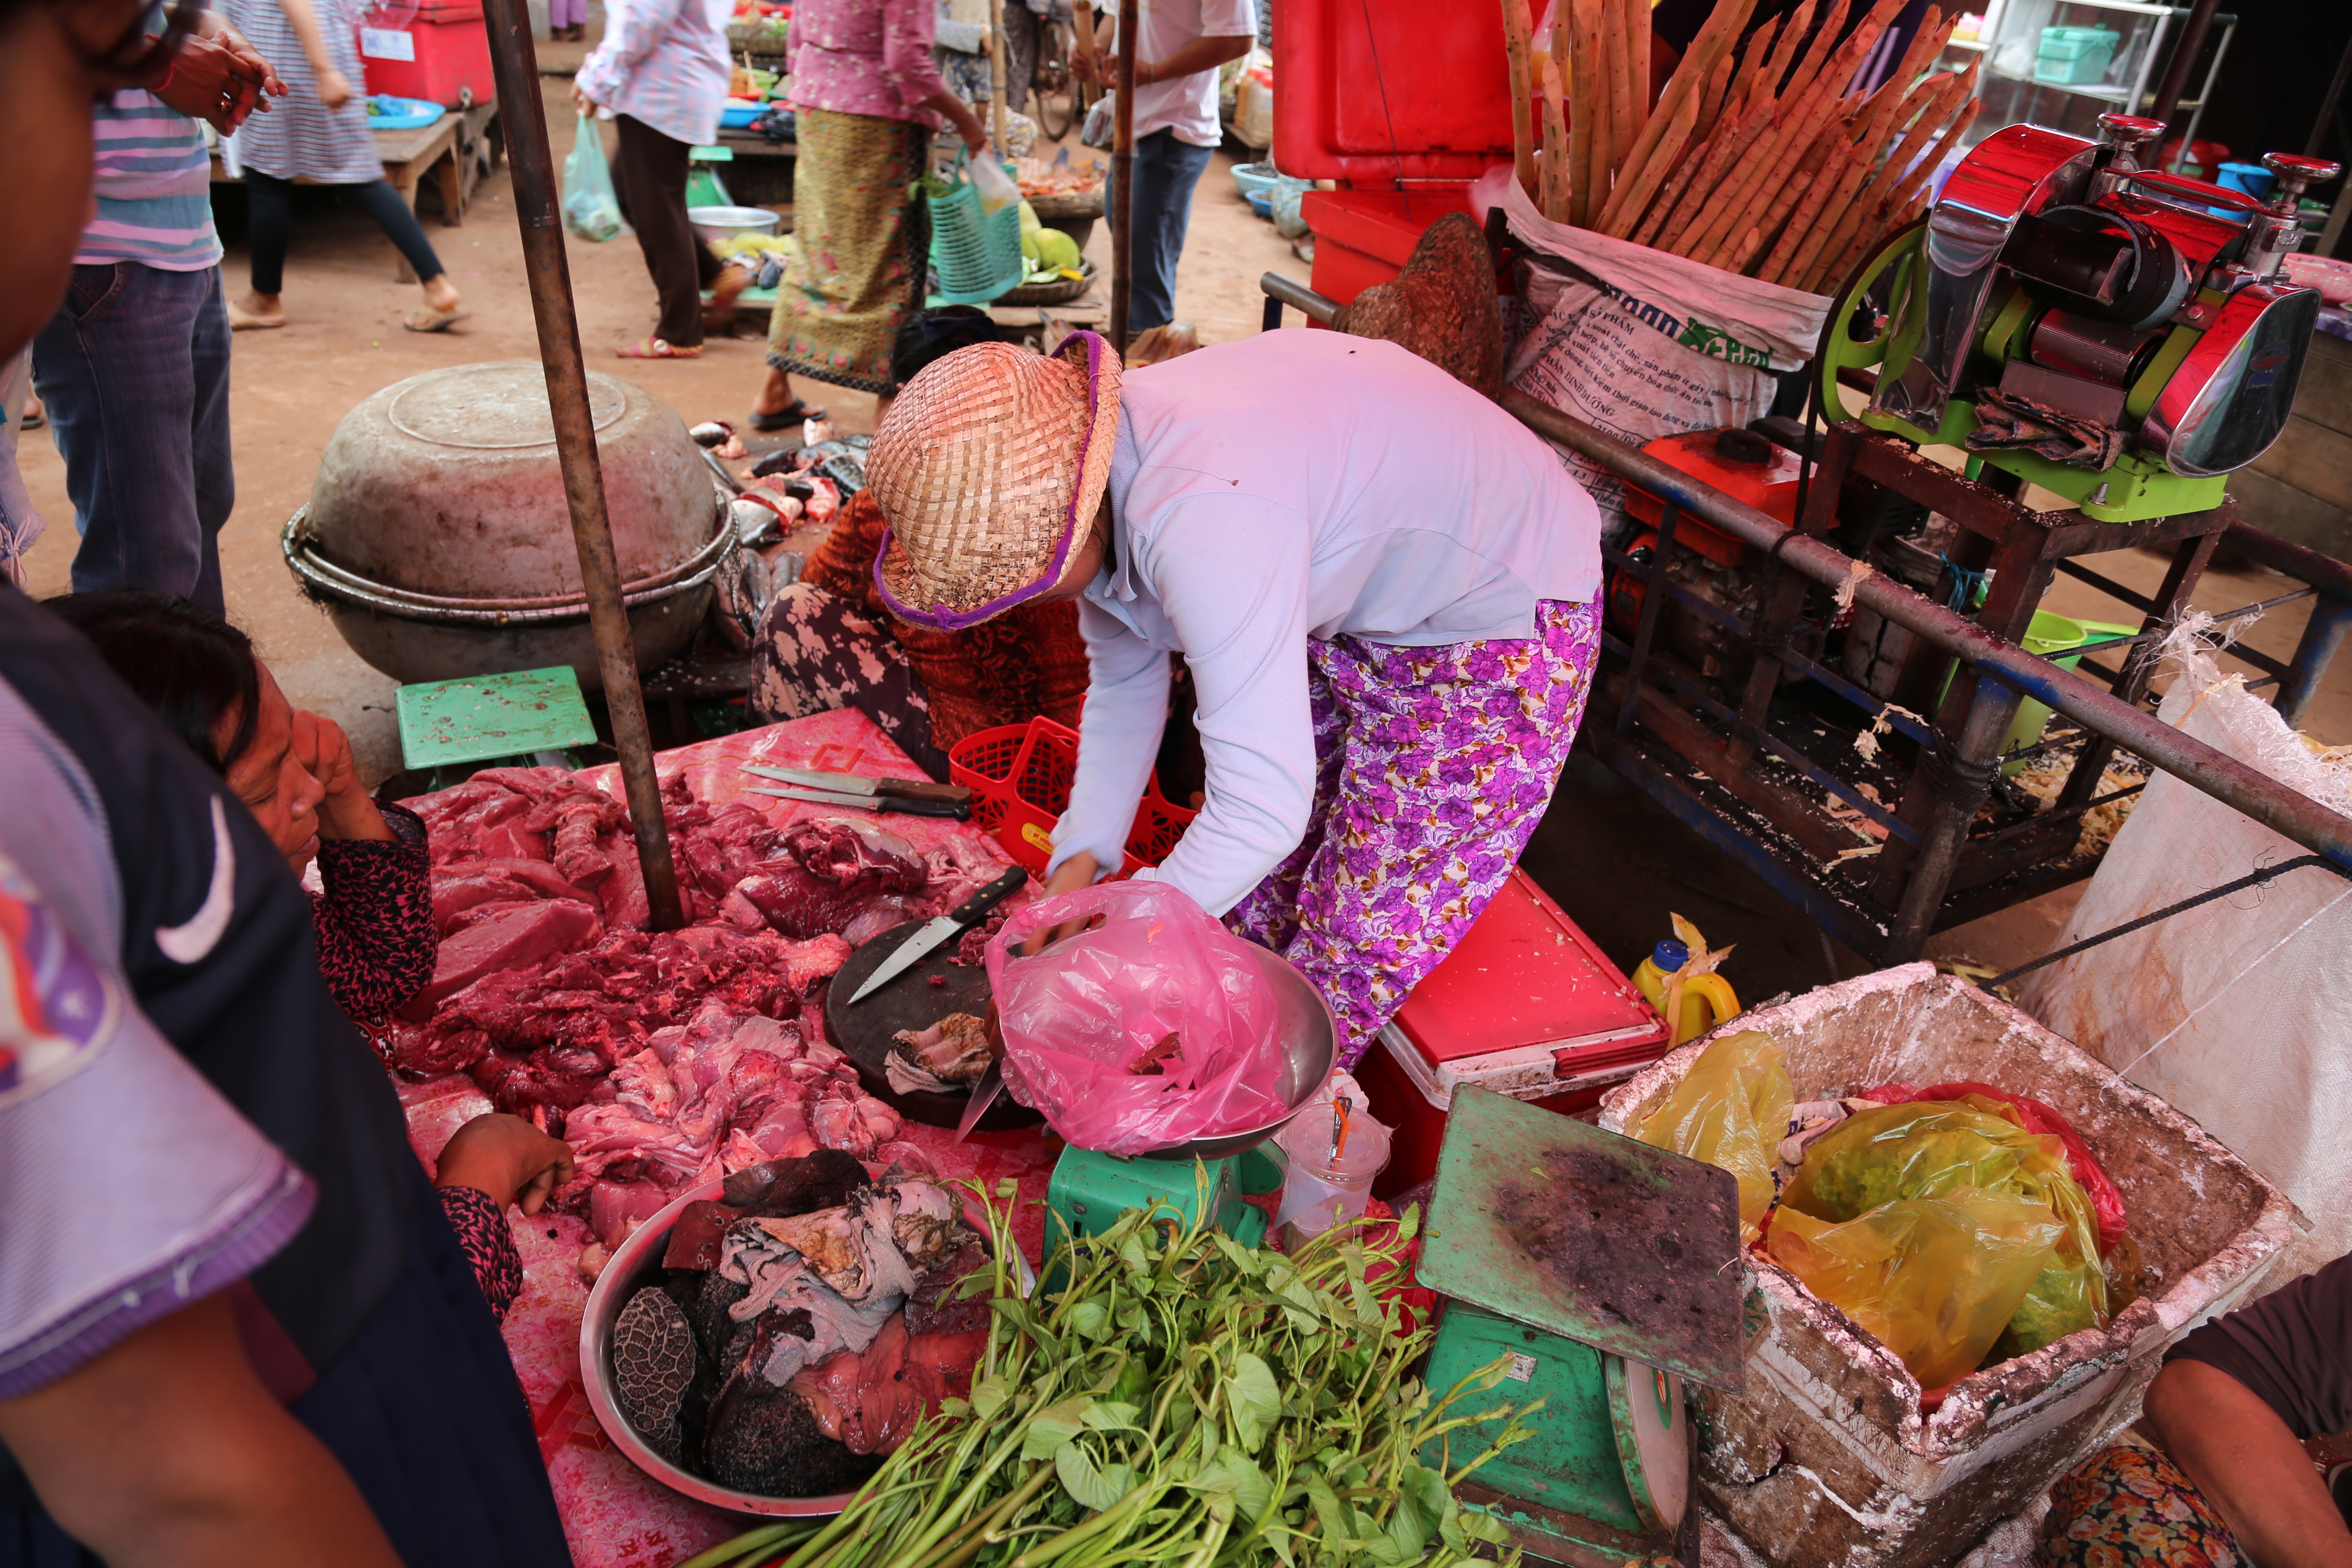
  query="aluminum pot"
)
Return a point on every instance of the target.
[
  {"x": 637, "y": 1262},
  {"x": 439, "y": 537}
]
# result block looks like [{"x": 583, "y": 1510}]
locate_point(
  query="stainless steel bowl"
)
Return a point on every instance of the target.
[
  {"x": 636, "y": 1262},
  {"x": 1311, "y": 1043},
  {"x": 717, "y": 226}
]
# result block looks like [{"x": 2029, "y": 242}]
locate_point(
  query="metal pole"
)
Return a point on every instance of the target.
[
  {"x": 2184, "y": 55},
  {"x": 2255, "y": 794},
  {"x": 514, "y": 67},
  {"x": 1122, "y": 179}
]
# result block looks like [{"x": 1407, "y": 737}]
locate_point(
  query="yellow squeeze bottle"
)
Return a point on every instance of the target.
[{"x": 1707, "y": 999}]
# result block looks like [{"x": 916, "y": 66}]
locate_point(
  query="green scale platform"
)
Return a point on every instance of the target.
[
  {"x": 1608, "y": 1271},
  {"x": 1087, "y": 1190}
]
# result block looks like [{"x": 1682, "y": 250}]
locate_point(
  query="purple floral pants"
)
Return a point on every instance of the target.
[{"x": 1433, "y": 765}]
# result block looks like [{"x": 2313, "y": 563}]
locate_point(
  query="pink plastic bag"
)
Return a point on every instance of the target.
[{"x": 1083, "y": 1015}]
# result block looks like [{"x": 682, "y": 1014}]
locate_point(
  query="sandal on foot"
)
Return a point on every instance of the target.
[
  {"x": 784, "y": 418},
  {"x": 657, "y": 347},
  {"x": 432, "y": 321},
  {"x": 243, "y": 320}
]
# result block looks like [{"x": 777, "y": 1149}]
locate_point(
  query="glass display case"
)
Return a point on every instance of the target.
[{"x": 2064, "y": 63}]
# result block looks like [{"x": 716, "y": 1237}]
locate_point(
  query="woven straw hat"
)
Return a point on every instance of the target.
[{"x": 987, "y": 467}]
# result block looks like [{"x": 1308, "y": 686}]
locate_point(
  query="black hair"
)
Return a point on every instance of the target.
[
  {"x": 936, "y": 333},
  {"x": 186, "y": 663}
]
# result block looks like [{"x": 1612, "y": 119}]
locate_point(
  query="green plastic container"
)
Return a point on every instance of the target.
[
  {"x": 2071, "y": 56},
  {"x": 2047, "y": 635}
]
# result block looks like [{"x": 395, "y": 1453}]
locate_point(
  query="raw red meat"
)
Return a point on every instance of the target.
[
  {"x": 870, "y": 1400},
  {"x": 518, "y": 935},
  {"x": 484, "y": 881},
  {"x": 844, "y": 850},
  {"x": 796, "y": 902}
]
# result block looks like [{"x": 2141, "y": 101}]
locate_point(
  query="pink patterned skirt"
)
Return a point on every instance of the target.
[{"x": 1434, "y": 764}]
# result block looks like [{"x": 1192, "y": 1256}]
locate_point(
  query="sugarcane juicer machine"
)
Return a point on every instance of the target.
[
  {"x": 2120, "y": 335},
  {"x": 1605, "y": 1274}
]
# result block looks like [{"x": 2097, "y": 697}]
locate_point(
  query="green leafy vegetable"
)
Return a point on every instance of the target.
[{"x": 1184, "y": 1402}]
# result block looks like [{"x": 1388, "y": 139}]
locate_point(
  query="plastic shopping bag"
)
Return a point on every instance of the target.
[
  {"x": 1155, "y": 1027},
  {"x": 1936, "y": 1279},
  {"x": 1731, "y": 1110},
  {"x": 1929, "y": 1149},
  {"x": 2107, "y": 1199},
  {"x": 590, "y": 210}
]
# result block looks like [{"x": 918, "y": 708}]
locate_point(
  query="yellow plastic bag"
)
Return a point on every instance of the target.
[
  {"x": 1936, "y": 1279},
  {"x": 1928, "y": 1149},
  {"x": 1731, "y": 1110}
]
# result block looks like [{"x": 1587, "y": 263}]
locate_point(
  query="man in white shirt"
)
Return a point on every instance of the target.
[{"x": 1177, "y": 52}]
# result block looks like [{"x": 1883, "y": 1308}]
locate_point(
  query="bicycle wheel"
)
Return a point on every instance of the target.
[{"x": 1051, "y": 79}]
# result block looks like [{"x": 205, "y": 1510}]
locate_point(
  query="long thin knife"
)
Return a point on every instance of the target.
[
  {"x": 881, "y": 803},
  {"x": 932, "y": 932},
  {"x": 983, "y": 1095}
]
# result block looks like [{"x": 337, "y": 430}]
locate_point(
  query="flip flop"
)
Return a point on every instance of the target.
[
  {"x": 791, "y": 413},
  {"x": 243, "y": 320},
  {"x": 432, "y": 321},
  {"x": 657, "y": 347}
]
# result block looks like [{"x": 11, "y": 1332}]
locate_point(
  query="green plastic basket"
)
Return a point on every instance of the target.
[{"x": 978, "y": 255}]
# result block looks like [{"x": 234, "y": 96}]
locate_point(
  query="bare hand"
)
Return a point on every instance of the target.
[
  {"x": 334, "y": 87},
  {"x": 1082, "y": 65},
  {"x": 580, "y": 98},
  {"x": 506, "y": 1157},
  {"x": 215, "y": 27},
  {"x": 325, "y": 753},
  {"x": 1078, "y": 871},
  {"x": 209, "y": 82}
]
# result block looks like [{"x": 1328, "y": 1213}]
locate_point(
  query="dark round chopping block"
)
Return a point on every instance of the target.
[{"x": 867, "y": 1030}]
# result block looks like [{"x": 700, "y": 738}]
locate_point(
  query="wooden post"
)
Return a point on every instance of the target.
[
  {"x": 514, "y": 68},
  {"x": 1000, "y": 60},
  {"x": 1122, "y": 179}
]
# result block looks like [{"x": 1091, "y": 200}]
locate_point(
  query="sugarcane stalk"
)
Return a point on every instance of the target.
[
  {"x": 1714, "y": 41},
  {"x": 1637, "y": 38},
  {"x": 1710, "y": 108},
  {"x": 1580, "y": 47},
  {"x": 1604, "y": 151},
  {"x": 1516, "y": 26},
  {"x": 1553, "y": 166},
  {"x": 1687, "y": 194},
  {"x": 1641, "y": 186},
  {"x": 1803, "y": 239},
  {"x": 1768, "y": 219},
  {"x": 1936, "y": 96},
  {"x": 1900, "y": 203},
  {"x": 1625, "y": 123}
]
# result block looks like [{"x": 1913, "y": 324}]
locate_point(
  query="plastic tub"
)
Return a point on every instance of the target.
[
  {"x": 2048, "y": 635},
  {"x": 717, "y": 226},
  {"x": 735, "y": 113},
  {"x": 1251, "y": 178},
  {"x": 1826, "y": 1456},
  {"x": 2070, "y": 57}
]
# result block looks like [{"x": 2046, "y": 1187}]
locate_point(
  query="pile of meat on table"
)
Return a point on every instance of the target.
[
  {"x": 800, "y": 1326},
  {"x": 665, "y": 1058}
]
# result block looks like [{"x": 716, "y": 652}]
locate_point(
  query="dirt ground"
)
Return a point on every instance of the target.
[{"x": 343, "y": 340}]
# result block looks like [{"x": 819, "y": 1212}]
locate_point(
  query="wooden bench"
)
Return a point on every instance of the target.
[{"x": 458, "y": 150}]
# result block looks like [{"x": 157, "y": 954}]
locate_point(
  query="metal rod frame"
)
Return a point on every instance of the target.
[
  {"x": 1122, "y": 180},
  {"x": 514, "y": 68}
]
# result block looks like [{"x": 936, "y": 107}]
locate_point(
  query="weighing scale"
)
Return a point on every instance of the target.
[
  {"x": 1087, "y": 1190},
  {"x": 1608, "y": 1271}
]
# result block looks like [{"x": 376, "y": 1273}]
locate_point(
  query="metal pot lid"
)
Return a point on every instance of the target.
[{"x": 494, "y": 407}]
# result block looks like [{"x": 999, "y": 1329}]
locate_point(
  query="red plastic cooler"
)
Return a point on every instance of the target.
[
  {"x": 438, "y": 57},
  {"x": 1527, "y": 1007},
  {"x": 1403, "y": 105}
]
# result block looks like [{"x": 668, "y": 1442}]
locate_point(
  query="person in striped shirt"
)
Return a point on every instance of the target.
[{"x": 133, "y": 368}]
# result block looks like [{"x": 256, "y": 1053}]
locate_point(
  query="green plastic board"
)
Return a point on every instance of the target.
[
  {"x": 1588, "y": 1236},
  {"x": 484, "y": 716}
]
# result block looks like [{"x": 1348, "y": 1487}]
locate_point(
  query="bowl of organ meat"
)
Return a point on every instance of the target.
[{"x": 765, "y": 1342}]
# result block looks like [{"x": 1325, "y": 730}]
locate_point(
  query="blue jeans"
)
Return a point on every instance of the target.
[
  {"x": 1166, "y": 170},
  {"x": 133, "y": 370}
]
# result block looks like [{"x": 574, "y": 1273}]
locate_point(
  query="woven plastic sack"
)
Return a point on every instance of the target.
[
  {"x": 1641, "y": 343},
  {"x": 590, "y": 210},
  {"x": 1089, "y": 1021},
  {"x": 1936, "y": 1279},
  {"x": 1932, "y": 1148},
  {"x": 1731, "y": 1110},
  {"x": 2233, "y": 1012}
]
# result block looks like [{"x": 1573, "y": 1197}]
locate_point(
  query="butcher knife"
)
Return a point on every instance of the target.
[
  {"x": 932, "y": 932},
  {"x": 903, "y": 805},
  {"x": 859, "y": 783}
]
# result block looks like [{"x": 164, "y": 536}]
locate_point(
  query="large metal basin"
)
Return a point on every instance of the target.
[{"x": 439, "y": 539}]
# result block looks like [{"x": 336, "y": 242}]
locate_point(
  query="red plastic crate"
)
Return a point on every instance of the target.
[
  {"x": 1020, "y": 776},
  {"x": 449, "y": 50}
]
